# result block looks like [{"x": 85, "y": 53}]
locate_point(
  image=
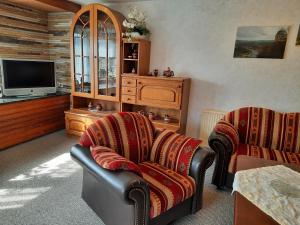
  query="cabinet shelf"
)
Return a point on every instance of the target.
[
  {"x": 174, "y": 126},
  {"x": 141, "y": 50},
  {"x": 87, "y": 112},
  {"x": 128, "y": 59},
  {"x": 85, "y": 56}
]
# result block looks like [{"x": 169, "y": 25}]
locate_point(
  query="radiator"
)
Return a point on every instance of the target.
[{"x": 209, "y": 118}]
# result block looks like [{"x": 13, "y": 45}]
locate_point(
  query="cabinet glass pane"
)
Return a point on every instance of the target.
[
  {"x": 112, "y": 73},
  {"x": 106, "y": 39},
  {"x": 82, "y": 54},
  {"x": 78, "y": 83}
]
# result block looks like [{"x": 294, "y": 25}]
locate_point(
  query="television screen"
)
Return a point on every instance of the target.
[{"x": 28, "y": 74}]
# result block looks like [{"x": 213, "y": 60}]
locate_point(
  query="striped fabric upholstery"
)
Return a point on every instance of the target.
[
  {"x": 267, "y": 128},
  {"x": 129, "y": 134},
  {"x": 174, "y": 151},
  {"x": 263, "y": 153},
  {"x": 110, "y": 160},
  {"x": 167, "y": 188},
  {"x": 227, "y": 129}
]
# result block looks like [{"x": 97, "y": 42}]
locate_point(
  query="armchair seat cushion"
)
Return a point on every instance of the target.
[
  {"x": 264, "y": 153},
  {"x": 167, "y": 188}
]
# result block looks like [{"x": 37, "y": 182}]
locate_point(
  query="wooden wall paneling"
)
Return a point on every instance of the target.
[
  {"x": 59, "y": 47},
  {"x": 23, "y": 32},
  {"x": 27, "y": 33}
]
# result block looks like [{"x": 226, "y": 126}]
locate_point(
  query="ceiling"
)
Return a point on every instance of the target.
[
  {"x": 85, "y": 2},
  {"x": 48, "y": 5}
]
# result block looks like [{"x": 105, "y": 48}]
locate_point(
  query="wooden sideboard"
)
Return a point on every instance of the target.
[
  {"x": 23, "y": 120},
  {"x": 159, "y": 95},
  {"x": 77, "y": 120}
]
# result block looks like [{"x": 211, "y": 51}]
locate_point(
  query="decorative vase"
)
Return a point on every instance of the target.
[
  {"x": 151, "y": 116},
  {"x": 99, "y": 107},
  {"x": 167, "y": 118}
]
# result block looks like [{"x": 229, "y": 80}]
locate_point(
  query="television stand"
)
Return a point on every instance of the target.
[{"x": 25, "y": 118}]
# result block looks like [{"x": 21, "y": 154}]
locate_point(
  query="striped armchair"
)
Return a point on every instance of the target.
[
  {"x": 255, "y": 132},
  {"x": 135, "y": 175}
]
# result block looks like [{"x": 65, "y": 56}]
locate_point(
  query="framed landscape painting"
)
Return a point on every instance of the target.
[
  {"x": 261, "y": 42},
  {"x": 298, "y": 37}
]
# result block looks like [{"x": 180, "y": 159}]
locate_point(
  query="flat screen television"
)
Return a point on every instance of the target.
[{"x": 27, "y": 77}]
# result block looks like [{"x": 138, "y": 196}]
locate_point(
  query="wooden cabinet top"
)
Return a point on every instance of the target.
[{"x": 156, "y": 78}]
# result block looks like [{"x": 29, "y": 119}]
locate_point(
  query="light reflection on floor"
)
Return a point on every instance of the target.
[{"x": 56, "y": 168}]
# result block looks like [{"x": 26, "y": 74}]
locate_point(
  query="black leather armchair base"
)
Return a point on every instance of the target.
[
  {"x": 122, "y": 198},
  {"x": 223, "y": 148}
]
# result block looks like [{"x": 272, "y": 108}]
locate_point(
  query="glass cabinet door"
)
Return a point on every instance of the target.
[
  {"x": 106, "y": 84},
  {"x": 81, "y": 52}
]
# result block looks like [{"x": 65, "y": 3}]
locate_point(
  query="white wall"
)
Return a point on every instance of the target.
[{"x": 196, "y": 38}]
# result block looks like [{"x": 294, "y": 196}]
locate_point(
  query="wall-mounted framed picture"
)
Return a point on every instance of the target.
[
  {"x": 298, "y": 37},
  {"x": 261, "y": 42}
]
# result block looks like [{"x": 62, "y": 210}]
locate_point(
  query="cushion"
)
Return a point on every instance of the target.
[
  {"x": 267, "y": 128},
  {"x": 227, "y": 129},
  {"x": 291, "y": 133},
  {"x": 129, "y": 134},
  {"x": 110, "y": 160},
  {"x": 263, "y": 153},
  {"x": 174, "y": 151},
  {"x": 167, "y": 188}
]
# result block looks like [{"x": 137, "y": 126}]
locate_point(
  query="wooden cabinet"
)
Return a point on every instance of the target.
[
  {"x": 158, "y": 95},
  {"x": 26, "y": 119},
  {"x": 96, "y": 65},
  {"x": 164, "y": 93},
  {"x": 136, "y": 57},
  {"x": 77, "y": 120},
  {"x": 95, "y": 52}
]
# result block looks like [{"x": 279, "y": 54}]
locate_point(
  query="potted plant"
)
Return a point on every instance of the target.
[{"x": 136, "y": 25}]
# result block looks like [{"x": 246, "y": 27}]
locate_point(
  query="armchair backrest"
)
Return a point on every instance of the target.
[
  {"x": 267, "y": 128},
  {"x": 129, "y": 134}
]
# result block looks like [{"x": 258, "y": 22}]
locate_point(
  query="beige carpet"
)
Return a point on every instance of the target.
[{"x": 41, "y": 185}]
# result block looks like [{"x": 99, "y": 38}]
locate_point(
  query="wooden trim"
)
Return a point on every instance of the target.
[{"x": 49, "y": 5}]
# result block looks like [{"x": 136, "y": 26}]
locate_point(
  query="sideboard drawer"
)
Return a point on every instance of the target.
[
  {"x": 128, "y": 82},
  {"x": 128, "y": 90},
  {"x": 76, "y": 124},
  {"x": 128, "y": 99}
]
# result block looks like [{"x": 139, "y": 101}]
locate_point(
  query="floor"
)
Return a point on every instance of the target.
[{"x": 41, "y": 185}]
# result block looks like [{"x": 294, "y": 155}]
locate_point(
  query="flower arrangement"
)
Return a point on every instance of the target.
[{"x": 136, "y": 23}]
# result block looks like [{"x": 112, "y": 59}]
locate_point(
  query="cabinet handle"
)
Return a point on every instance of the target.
[
  {"x": 95, "y": 57},
  {"x": 179, "y": 86},
  {"x": 128, "y": 82},
  {"x": 139, "y": 82},
  {"x": 128, "y": 99},
  {"x": 128, "y": 90}
]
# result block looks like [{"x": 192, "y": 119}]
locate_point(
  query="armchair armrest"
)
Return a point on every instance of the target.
[
  {"x": 223, "y": 140},
  {"x": 174, "y": 151},
  {"x": 201, "y": 161},
  {"x": 229, "y": 132},
  {"x": 125, "y": 185}
]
